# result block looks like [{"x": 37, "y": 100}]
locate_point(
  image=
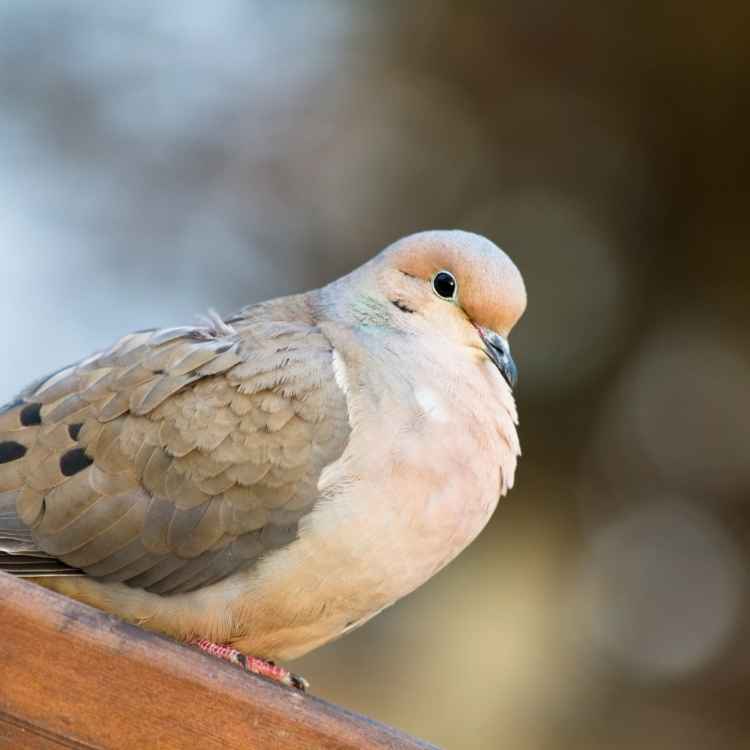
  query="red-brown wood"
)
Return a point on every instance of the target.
[{"x": 73, "y": 677}]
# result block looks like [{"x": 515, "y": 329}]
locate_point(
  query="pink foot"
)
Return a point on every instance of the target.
[{"x": 252, "y": 664}]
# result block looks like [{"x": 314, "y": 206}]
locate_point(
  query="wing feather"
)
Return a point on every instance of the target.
[{"x": 175, "y": 457}]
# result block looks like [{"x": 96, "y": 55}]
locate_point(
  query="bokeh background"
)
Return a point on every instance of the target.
[{"x": 160, "y": 158}]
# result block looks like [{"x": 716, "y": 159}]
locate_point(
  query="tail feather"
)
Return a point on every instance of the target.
[
  {"x": 15, "y": 536},
  {"x": 28, "y": 566},
  {"x": 19, "y": 553}
]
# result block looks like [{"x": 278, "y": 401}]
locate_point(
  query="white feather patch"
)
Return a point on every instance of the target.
[
  {"x": 431, "y": 404},
  {"x": 340, "y": 373}
]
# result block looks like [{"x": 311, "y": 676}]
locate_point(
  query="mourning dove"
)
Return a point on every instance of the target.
[{"x": 272, "y": 481}]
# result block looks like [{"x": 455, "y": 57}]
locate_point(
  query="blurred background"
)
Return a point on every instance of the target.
[{"x": 160, "y": 158}]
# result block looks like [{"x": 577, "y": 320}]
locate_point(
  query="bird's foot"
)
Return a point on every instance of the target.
[{"x": 252, "y": 664}]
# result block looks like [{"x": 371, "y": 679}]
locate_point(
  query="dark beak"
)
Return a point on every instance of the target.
[{"x": 499, "y": 352}]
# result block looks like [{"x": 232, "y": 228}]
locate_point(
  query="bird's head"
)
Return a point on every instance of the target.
[{"x": 455, "y": 284}]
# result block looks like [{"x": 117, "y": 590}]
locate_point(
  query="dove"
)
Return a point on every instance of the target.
[{"x": 262, "y": 484}]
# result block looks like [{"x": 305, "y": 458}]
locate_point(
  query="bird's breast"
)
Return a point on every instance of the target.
[
  {"x": 417, "y": 485},
  {"x": 420, "y": 477}
]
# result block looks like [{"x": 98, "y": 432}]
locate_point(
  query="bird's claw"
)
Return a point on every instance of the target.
[{"x": 252, "y": 664}]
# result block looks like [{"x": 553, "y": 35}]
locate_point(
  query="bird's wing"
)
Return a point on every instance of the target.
[{"x": 172, "y": 459}]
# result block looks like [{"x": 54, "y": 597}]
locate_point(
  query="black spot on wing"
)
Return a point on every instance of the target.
[
  {"x": 10, "y": 450},
  {"x": 74, "y": 430},
  {"x": 74, "y": 461},
  {"x": 31, "y": 414}
]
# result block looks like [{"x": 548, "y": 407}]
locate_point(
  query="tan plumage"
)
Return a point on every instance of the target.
[{"x": 235, "y": 480}]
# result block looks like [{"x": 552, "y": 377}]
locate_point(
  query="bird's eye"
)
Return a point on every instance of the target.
[{"x": 445, "y": 285}]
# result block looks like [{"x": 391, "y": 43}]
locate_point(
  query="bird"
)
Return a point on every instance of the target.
[{"x": 261, "y": 484}]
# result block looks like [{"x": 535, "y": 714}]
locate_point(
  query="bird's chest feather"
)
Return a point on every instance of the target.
[
  {"x": 448, "y": 462},
  {"x": 420, "y": 482}
]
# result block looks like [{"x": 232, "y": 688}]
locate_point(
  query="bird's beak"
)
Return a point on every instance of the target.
[{"x": 498, "y": 351}]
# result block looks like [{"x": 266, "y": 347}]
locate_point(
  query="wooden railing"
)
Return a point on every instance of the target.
[{"x": 73, "y": 677}]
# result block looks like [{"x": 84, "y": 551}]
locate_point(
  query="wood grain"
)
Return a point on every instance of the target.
[{"x": 73, "y": 677}]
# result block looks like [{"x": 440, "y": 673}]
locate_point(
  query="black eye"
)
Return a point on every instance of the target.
[{"x": 444, "y": 285}]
